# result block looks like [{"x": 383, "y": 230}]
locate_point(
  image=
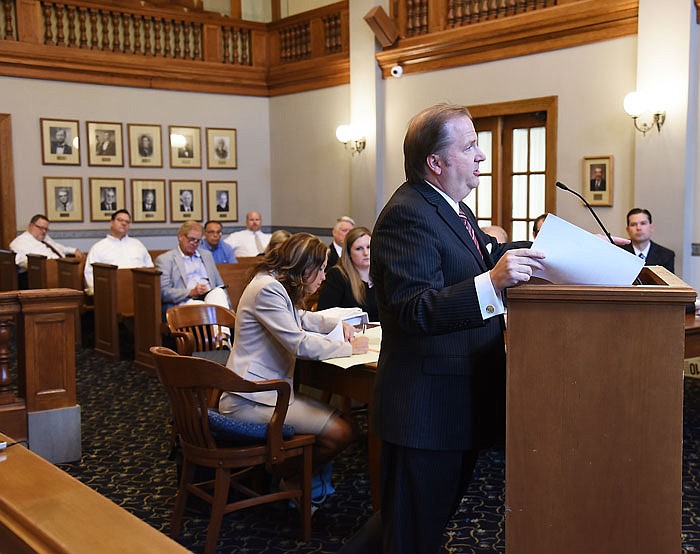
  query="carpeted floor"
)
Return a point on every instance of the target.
[{"x": 125, "y": 457}]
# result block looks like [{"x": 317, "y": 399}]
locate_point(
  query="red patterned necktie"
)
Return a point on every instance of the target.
[{"x": 470, "y": 230}]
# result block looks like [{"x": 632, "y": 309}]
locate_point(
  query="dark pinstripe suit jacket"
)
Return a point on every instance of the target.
[{"x": 441, "y": 373}]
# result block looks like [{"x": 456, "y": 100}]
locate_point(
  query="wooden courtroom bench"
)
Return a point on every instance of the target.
[
  {"x": 8, "y": 271},
  {"x": 45, "y": 510},
  {"x": 235, "y": 276},
  {"x": 127, "y": 295},
  {"x": 64, "y": 273}
]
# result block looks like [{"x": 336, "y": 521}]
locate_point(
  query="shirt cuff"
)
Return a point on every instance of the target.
[{"x": 490, "y": 301}]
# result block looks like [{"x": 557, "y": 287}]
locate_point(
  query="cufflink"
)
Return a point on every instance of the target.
[{"x": 490, "y": 309}]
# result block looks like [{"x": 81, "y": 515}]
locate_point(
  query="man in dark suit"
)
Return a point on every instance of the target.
[
  {"x": 148, "y": 202},
  {"x": 109, "y": 199},
  {"x": 59, "y": 144},
  {"x": 335, "y": 249},
  {"x": 640, "y": 229},
  {"x": 598, "y": 179},
  {"x": 440, "y": 388}
]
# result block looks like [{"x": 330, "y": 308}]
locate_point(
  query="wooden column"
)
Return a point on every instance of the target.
[{"x": 13, "y": 411}]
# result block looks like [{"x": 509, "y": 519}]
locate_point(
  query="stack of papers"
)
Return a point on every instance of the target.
[
  {"x": 375, "y": 340},
  {"x": 577, "y": 257}
]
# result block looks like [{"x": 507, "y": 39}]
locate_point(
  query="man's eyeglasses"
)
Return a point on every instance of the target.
[
  {"x": 193, "y": 240},
  {"x": 41, "y": 228},
  {"x": 212, "y": 232}
]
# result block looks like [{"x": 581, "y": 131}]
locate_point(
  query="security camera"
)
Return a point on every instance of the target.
[{"x": 396, "y": 71}]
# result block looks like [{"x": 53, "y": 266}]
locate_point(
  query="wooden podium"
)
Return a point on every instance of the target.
[{"x": 594, "y": 435}]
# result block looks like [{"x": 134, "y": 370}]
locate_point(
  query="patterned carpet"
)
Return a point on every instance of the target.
[{"x": 125, "y": 457}]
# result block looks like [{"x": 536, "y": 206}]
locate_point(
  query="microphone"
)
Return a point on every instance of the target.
[{"x": 562, "y": 186}]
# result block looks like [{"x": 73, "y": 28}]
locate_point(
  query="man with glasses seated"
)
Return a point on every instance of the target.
[
  {"x": 36, "y": 240},
  {"x": 222, "y": 252},
  {"x": 188, "y": 274}
]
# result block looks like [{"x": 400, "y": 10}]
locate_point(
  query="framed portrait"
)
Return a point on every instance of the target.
[
  {"x": 106, "y": 197},
  {"x": 148, "y": 200},
  {"x": 185, "y": 200},
  {"x": 221, "y": 149},
  {"x": 63, "y": 198},
  {"x": 598, "y": 180},
  {"x": 105, "y": 143},
  {"x": 222, "y": 200},
  {"x": 185, "y": 146},
  {"x": 60, "y": 143},
  {"x": 145, "y": 145}
]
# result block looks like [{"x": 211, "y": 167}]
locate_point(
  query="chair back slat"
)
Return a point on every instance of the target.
[{"x": 203, "y": 323}]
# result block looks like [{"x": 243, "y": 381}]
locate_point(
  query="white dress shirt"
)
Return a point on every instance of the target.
[
  {"x": 26, "y": 244},
  {"x": 124, "y": 253},
  {"x": 243, "y": 242}
]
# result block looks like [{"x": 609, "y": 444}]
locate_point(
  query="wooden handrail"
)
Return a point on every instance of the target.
[{"x": 122, "y": 44}]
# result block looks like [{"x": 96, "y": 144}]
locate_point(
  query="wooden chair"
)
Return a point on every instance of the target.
[
  {"x": 192, "y": 384},
  {"x": 197, "y": 327}
]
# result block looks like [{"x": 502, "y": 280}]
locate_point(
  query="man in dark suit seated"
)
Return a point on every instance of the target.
[
  {"x": 640, "y": 229},
  {"x": 440, "y": 388},
  {"x": 340, "y": 229}
]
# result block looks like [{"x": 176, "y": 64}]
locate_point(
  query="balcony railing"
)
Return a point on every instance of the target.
[
  {"x": 111, "y": 43},
  {"x": 168, "y": 48}
]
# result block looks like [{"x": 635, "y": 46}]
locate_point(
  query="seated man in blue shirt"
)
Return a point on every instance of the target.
[{"x": 221, "y": 251}]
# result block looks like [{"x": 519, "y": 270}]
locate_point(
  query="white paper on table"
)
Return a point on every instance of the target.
[
  {"x": 577, "y": 257},
  {"x": 375, "y": 340}
]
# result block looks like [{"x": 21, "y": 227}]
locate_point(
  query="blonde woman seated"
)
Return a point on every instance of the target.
[
  {"x": 272, "y": 331},
  {"x": 347, "y": 283}
]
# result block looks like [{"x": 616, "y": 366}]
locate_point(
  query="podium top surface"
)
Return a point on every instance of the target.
[{"x": 658, "y": 285}]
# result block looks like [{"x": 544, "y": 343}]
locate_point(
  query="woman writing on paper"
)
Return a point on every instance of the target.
[
  {"x": 272, "y": 330},
  {"x": 347, "y": 283}
]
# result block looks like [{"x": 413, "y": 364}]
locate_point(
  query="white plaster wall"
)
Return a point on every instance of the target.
[
  {"x": 27, "y": 100},
  {"x": 590, "y": 82},
  {"x": 310, "y": 168}
]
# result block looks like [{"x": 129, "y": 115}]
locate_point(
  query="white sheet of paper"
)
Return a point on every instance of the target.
[
  {"x": 577, "y": 257},
  {"x": 375, "y": 340}
]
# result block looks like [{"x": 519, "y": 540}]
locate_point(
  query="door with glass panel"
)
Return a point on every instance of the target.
[{"x": 512, "y": 188}]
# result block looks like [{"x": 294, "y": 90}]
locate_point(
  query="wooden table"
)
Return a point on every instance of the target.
[
  {"x": 45, "y": 510},
  {"x": 692, "y": 336},
  {"x": 357, "y": 382}
]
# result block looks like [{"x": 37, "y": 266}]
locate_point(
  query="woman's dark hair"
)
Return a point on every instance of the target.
[{"x": 294, "y": 263}]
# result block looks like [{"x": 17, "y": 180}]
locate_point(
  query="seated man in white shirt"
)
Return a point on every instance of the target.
[
  {"x": 36, "y": 240},
  {"x": 188, "y": 274},
  {"x": 251, "y": 241},
  {"x": 117, "y": 248}
]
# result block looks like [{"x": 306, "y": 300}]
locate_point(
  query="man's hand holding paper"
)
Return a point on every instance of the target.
[{"x": 577, "y": 257}]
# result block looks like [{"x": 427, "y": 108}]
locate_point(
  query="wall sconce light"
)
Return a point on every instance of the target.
[
  {"x": 636, "y": 104},
  {"x": 351, "y": 137}
]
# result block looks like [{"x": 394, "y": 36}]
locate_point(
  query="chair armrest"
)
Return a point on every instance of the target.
[{"x": 184, "y": 341}]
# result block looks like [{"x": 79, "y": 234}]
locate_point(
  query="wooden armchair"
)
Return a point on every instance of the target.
[
  {"x": 197, "y": 327},
  {"x": 190, "y": 384}
]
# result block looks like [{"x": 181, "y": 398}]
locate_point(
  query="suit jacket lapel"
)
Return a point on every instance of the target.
[
  {"x": 453, "y": 221},
  {"x": 181, "y": 268}
]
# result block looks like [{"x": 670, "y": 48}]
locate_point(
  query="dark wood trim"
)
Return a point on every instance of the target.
[
  {"x": 8, "y": 215},
  {"x": 547, "y": 104},
  {"x": 563, "y": 26}
]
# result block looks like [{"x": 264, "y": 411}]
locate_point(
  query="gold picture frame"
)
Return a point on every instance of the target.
[
  {"x": 222, "y": 200},
  {"x": 185, "y": 200},
  {"x": 107, "y": 195},
  {"x": 145, "y": 145},
  {"x": 221, "y": 149},
  {"x": 185, "y": 146},
  {"x": 597, "y": 183},
  {"x": 60, "y": 141},
  {"x": 63, "y": 198},
  {"x": 105, "y": 144},
  {"x": 144, "y": 208}
]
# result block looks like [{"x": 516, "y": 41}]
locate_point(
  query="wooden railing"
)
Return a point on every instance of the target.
[
  {"x": 168, "y": 48},
  {"x": 80, "y": 40},
  {"x": 438, "y": 34}
]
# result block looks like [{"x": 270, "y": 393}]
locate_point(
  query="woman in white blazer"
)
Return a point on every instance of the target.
[{"x": 272, "y": 330}]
